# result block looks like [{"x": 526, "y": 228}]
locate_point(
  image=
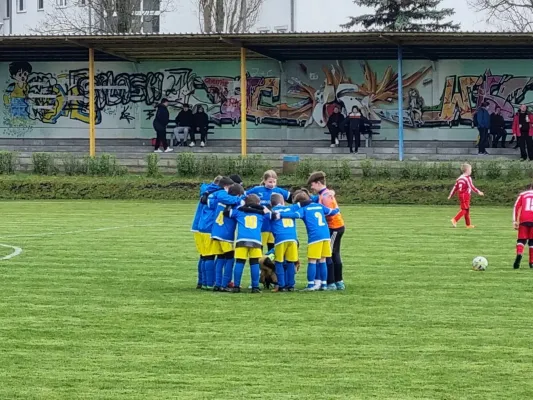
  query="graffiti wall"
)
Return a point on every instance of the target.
[{"x": 50, "y": 100}]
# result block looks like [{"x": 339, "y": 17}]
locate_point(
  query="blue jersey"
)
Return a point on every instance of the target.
[
  {"x": 208, "y": 216},
  {"x": 264, "y": 195},
  {"x": 314, "y": 217},
  {"x": 224, "y": 227},
  {"x": 204, "y": 188},
  {"x": 249, "y": 226},
  {"x": 284, "y": 230}
]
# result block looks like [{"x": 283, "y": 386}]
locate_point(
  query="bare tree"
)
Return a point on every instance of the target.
[
  {"x": 103, "y": 16},
  {"x": 229, "y": 16},
  {"x": 511, "y": 15}
]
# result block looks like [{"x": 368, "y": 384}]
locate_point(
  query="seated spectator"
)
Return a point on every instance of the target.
[
  {"x": 184, "y": 124},
  {"x": 334, "y": 126},
  {"x": 201, "y": 125}
]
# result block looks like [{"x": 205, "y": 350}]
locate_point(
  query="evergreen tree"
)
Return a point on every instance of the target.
[{"x": 404, "y": 16}]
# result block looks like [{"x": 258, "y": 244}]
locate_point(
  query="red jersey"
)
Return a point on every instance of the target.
[
  {"x": 523, "y": 208},
  {"x": 464, "y": 185}
]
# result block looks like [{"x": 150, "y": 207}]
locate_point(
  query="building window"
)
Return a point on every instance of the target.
[
  {"x": 61, "y": 3},
  {"x": 8, "y": 8},
  {"x": 151, "y": 24},
  {"x": 21, "y": 6},
  {"x": 40, "y": 5}
]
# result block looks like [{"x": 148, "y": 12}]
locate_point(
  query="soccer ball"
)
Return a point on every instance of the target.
[{"x": 480, "y": 264}]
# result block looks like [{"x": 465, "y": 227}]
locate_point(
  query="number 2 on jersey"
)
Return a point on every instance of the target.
[
  {"x": 320, "y": 219},
  {"x": 250, "y": 222}
]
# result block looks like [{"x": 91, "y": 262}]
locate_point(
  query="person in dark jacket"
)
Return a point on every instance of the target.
[
  {"x": 201, "y": 125},
  {"x": 523, "y": 130},
  {"x": 483, "y": 125},
  {"x": 160, "y": 125},
  {"x": 354, "y": 125},
  {"x": 184, "y": 124},
  {"x": 334, "y": 125},
  {"x": 497, "y": 128}
]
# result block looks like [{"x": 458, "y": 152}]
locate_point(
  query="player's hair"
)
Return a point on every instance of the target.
[
  {"x": 317, "y": 176},
  {"x": 225, "y": 182},
  {"x": 252, "y": 199},
  {"x": 236, "y": 190},
  {"x": 269, "y": 174},
  {"x": 301, "y": 196},
  {"x": 465, "y": 166},
  {"x": 217, "y": 179},
  {"x": 276, "y": 199},
  {"x": 236, "y": 178}
]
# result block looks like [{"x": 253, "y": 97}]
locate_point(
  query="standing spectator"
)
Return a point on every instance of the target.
[
  {"x": 355, "y": 124},
  {"x": 201, "y": 124},
  {"x": 160, "y": 126},
  {"x": 523, "y": 130},
  {"x": 497, "y": 128},
  {"x": 334, "y": 126},
  {"x": 483, "y": 125},
  {"x": 184, "y": 124}
]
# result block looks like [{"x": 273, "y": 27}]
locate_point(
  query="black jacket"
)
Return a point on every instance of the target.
[
  {"x": 161, "y": 117},
  {"x": 335, "y": 121},
  {"x": 355, "y": 123},
  {"x": 497, "y": 124},
  {"x": 201, "y": 120},
  {"x": 185, "y": 118}
]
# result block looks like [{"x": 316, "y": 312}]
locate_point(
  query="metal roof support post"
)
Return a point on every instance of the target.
[
  {"x": 400, "y": 103},
  {"x": 92, "y": 103},
  {"x": 244, "y": 97}
]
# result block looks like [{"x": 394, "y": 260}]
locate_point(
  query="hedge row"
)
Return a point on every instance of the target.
[{"x": 28, "y": 187}]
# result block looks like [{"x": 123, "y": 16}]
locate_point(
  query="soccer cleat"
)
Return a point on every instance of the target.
[
  {"x": 169, "y": 150},
  {"x": 231, "y": 285},
  {"x": 291, "y": 289},
  {"x": 332, "y": 286},
  {"x": 217, "y": 289},
  {"x": 530, "y": 265},
  {"x": 207, "y": 288},
  {"x": 158, "y": 151},
  {"x": 323, "y": 288},
  {"x": 199, "y": 286},
  {"x": 256, "y": 290},
  {"x": 202, "y": 144},
  {"x": 340, "y": 286},
  {"x": 236, "y": 289},
  {"x": 454, "y": 222},
  {"x": 470, "y": 227},
  {"x": 517, "y": 260}
]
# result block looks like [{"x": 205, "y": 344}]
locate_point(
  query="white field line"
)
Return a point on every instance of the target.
[{"x": 16, "y": 251}]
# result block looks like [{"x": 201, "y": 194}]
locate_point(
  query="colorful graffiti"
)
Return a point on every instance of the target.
[{"x": 303, "y": 95}]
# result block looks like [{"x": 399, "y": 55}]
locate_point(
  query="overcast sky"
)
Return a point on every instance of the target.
[{"x": 327, "y": 15}]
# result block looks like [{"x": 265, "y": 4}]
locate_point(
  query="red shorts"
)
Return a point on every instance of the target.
[
  {"x": 464, "y": 201},
  {"x": 525, "y": 232}
]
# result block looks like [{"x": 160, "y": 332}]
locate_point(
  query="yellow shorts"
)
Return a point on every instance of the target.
[
  {"x": 287, "y": 251},
  {"x": 245, "y": 253},
  {"x": 266, "y": 238},
  {"x": 199, "y": 242},
  {"x": 219, "y": 247},
  {"x": 204, "y": 244},
  {"x": 319, "y": 250}
]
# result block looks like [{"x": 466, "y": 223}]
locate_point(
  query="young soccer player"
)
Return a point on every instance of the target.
[
  {"x": 318, "y": 240},
  {"x": 285, "y": 245},
  {"x": 264, "y": 192},
  {"x": 248, "y": 245},
  {"x": 205, "y": 226},
  {"x": 317, "y": 182},
  {"x": 464, "y": 187},
  {"x": 205, "y": 189},
  {"x": 523, "y": 223}
]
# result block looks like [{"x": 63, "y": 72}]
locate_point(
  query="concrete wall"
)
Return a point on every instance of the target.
[{"x": 285, "y": 101}]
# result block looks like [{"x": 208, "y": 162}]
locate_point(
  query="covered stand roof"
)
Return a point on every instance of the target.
[{"x": 278, "y": 46}]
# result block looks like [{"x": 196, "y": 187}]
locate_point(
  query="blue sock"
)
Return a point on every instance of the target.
[
  {"x": 311, "y": 274},
  {"x": 237, "y": 273},
  {"x": 200, "y": 272},
  {"x": 204, "y": 272},
  {"x": 280, "y": 272},
  {"x": 290, "y": 274},
  {"x": 255, "y": 272},
  {"x": 323, "y": 267},
  {"x": 219, "y": 268},
  {"x": 318, "y": 272},
  {"x": 210, "y": 272},
  {"x": 228, "y": 272}
]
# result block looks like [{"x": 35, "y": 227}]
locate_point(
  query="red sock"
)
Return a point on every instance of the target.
[
  {"x": 467, "y": 218},
  {"x": 520, "y": 249},
  {"x": 459, "y": 215}
]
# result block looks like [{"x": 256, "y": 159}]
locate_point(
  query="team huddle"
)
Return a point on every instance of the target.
[
  {"x": 232, "y": 226},
  {"x": 522, "y": 212}
]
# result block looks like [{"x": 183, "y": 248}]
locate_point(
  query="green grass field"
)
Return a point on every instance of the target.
[{"x": 101, "y": 305}]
